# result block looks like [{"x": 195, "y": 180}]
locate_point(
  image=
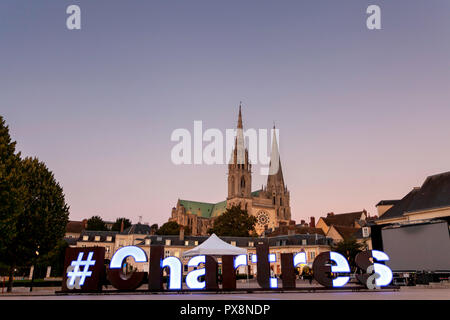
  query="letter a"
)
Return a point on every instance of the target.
[
  {"x": 74, "y": 20},
  {"x": 374, "y": 20}
]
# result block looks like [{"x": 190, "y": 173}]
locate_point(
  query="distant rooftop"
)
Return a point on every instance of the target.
[{"x": 434, "y": 193}]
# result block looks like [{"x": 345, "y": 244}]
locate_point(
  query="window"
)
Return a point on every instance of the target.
[
  {"x": 107, "y": 249},
  {"x": 166, "y": 253},
  {"x": 196, "y": 243},
  {"x": 177, "y": 254},
  {"x": 304, "y": 242},
  {"x": 312, "y": 255},
  {"x": 109, "y": 238},
  {"x": 97, "y": 238},
  {"x": 251, "y": 244},
  {"x": 85, "y": 238},
  {"x": 186, "y": 243},
  {"x": 168, "y": 242},
  {"x": 233, "y": 243},
  {"x": 147, "y": 242}
]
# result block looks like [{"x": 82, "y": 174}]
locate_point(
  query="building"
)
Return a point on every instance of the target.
[
  {"x": 292, "y": 228},
  {"x": 73, "y": 231},
  {"x": 270, "y": 205},
  {"x": 347, "y": 226},
  {"x": 351, "y": 219},
  {"x": 106, "y": 239},
  {"x": 311, "y": 244},
  {"x": 113, "y": 240},
  {"x": 430, "y": 201}
]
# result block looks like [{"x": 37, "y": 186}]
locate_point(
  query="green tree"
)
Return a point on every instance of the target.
[
  {"x": 349, "y": 248},
  {"x": 12, "y": 191},
  {"x": 118, "y": 224},
  {"x": 169, "y": 228},
  {"x": 234, "y": 222},
  {"x": 96, "y": 223},
  {"x": 42, "y": 221}
]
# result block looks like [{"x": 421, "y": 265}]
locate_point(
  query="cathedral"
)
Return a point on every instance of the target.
[{"x": 270, "y": 205}]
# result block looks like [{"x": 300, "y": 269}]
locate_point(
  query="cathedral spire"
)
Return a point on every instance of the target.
[
  {"x": 275, "y": 177},
  {"x": 239, "y": 147},
  {"x": 239, "y": 126}
]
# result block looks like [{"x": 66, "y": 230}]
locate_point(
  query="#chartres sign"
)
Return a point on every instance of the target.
[{"x": 85, "y": 270}]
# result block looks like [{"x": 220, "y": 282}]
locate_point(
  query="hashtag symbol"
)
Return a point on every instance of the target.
[{"x": 76, "y": 276}]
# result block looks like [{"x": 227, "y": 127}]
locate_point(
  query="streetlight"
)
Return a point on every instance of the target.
[{"x": 32, "y": 276}]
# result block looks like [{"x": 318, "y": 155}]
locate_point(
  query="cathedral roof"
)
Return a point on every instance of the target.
[{"x": 206, "y": 209}]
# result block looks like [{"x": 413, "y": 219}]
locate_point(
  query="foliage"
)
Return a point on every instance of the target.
[
  {"x": 96, "y": 223},
  {"x": 11, "y": 190},
  {"x": 169, "y": 228},
  {"x": 33, "y": 211},
  {"x": 349, "y": 248},
  {"x": 118, "y": 224},
  {"x": 234, "y": 222}
]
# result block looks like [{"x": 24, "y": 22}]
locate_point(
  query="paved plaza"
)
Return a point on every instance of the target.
[{"x": 405, "y": 293}]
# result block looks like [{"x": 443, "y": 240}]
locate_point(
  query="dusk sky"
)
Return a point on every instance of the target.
[{"x": 363, "y": 114}]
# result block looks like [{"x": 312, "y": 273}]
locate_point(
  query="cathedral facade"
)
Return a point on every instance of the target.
[{"x": 270, "y": 205}]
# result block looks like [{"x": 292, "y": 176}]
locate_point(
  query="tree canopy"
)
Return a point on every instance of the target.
[
  {"x": 12, "y": 189},
  {"x": 234, "y": 222},
  {"x": 96, "y": 223},
  {"x": 118, "y": 224},
  {"x": 169, "y": 228},
  {"x": 349, "y": 248},
  {"x": 33, "y": 211}
]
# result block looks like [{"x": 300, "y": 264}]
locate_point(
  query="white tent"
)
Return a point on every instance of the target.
[{"x": 214, "y": 246}]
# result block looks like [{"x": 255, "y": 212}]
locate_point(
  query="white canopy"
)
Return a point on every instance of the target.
[{"x": 214, "y": 246}]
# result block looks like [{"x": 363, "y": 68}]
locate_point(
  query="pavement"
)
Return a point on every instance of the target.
[{"x": 430, "y": 292}]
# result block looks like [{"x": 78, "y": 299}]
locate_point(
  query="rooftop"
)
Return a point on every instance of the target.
[{"x": 434, "y": 193}]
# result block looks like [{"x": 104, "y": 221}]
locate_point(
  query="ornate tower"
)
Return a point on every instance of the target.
[
  {"x": 239, "y": 170},
  {"x": 276, "y": 188}
]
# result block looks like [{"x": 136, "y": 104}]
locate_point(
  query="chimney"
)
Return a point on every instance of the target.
[
  {"x": 330, "y": 214},
  {"x": 302, "y": 222},
  {"x": 181, "y": 233},
  {"x": 121, "y": 226},
  {"x": 291, "y": 230},
  {"x": 84, "y": 223},
  {"x": 312, "y": 223}
]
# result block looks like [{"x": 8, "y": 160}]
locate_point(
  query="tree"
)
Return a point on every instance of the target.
[
  {"x": 42, "y": 221},
  {"x": 96, "y": 223},
  {"x": 12, "y": 190},
  {"x": 349, "y": 248},
  {"x": 118, "y": 224},
  {"x": 169, "y": 228},
  {"x": 234, "y": 222}
]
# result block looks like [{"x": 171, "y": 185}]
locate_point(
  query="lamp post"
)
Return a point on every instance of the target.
[{"x": 34, "y": 269}]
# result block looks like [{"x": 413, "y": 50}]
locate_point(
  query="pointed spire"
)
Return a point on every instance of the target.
[
  {"x": 240, "y": 117},
  {"x": 239, "y": 147},
  {"x": 275, "y": 173}
]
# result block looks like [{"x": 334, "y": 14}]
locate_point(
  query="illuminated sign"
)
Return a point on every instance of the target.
[
  {"x": 85, "y": 269},
  {"x": 192, "y": 277}
]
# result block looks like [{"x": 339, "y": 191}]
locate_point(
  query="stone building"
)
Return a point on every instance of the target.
[
  {"x": 311, "y": 244},
  {"x": 270, "y": 205}
]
